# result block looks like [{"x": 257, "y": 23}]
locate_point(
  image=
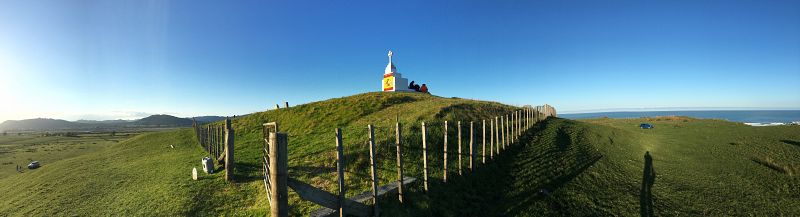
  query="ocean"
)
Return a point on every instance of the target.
[{"x": 743, "y": 116}]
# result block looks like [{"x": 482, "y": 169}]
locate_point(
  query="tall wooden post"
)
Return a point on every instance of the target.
[
  {"x": 445, "y": 152},
  {"x": 340, "y": 170},
  {"x": 502, "y": 131},
  {"x": 221, "y": 136},
  {"x": 491, "y": 138},
  {"x": 497, "y": 134},
  {"x": 512, "y": 122},
  {"x": 424, "y": 157},
  {"x": 459, "y": 148},
  {"x": 398, "y": 135},
  {"x": 278, "y": 174},
  {"x": 286, "y": 104},
  {"x": 508, "y": 131},
  {"x": 471, "y": 144},
  {"x": 229, "y": 147},
  {"x": 216, "y": 142},
  {"x": 483, "y": 152},
  {"x": 373, "y": 175}
]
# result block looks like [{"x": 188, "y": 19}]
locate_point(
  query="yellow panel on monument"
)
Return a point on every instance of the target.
[{"x": 393, "y": 80}]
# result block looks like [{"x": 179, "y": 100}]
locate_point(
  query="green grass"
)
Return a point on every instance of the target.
[
  {"x": 589, "y": 167},
  {"x": 141, "y": 176},
  {"x": 22, "y": 149},
  {"x": 595, "y": 167}
]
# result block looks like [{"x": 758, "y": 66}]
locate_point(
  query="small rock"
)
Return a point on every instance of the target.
[
  {"x": 194, "y": 173},
  {"x": 170, "y": 146}
]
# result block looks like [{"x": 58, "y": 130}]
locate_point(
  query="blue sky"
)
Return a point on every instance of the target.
[{"x": 127, "y": 59}]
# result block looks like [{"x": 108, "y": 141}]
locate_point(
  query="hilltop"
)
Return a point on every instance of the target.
[
  {"x": 561, "y": 167},
  {"x": 163, "y": 120}
]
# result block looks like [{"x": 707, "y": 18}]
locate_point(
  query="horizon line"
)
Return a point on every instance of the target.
[{"x": 668, "y": 109}]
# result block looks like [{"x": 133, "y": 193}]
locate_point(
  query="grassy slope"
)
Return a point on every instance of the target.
[
  {"x": 588, "y": 168},
  {"x": 22, "y": 149},
  {"x": 311, "y": 137},
  {"x": 142, "y": 176},
  {"x": 595, "y": 167}
]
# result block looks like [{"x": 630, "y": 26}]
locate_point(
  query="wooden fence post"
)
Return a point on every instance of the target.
[
  {"x": 471, "y": 144},
  {"x": 229, "y": 148},
  {"x": 424, "y": 157},
  {"x": 459, "y": 148},
  {"x": 497, "y": 134},
  {"x": 219, "y": 140},
  {"x": 445, "y": 152},
  {"x": 215, "y": 145},
  {"x": 375, "y": 208},
  {"x": 502, "y": 131},
  {"x": 278, "y": 174},
  {"x": 483, "y": 152},
  {"x": 340, "y": 170},
  {"x": 210, "y": 139},
  {"x": 491, "y": 138},
  {"x": 513, "y": 121},
  {"x": 507, "y": 133},
  {"x": 398, "y": 135}
]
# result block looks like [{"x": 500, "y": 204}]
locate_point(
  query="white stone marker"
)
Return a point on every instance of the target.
[{"x": 194, "y": 173}]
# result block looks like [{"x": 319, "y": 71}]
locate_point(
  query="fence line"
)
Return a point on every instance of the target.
[
  {"x": 218, "y": 141},
  {"x": 504, "y": 130}
]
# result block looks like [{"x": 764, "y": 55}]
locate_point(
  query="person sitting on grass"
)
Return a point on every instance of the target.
[{"x": 424, "y": 88}]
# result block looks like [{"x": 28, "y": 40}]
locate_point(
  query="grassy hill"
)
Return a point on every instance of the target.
[
  {"x": 163, "y": 120},
  {"x": 144, "y": 176},
  {"x": 152, "y": 121},
  {"x": 39, "y": 123},
  {"x": 596, "y": 167},
  {"x": 562, "y": 167}
]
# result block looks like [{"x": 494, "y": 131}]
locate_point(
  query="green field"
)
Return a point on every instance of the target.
[
  {"x": 596, "y": 167},
  {"x": 561, "y": 167},
  {"x": 21, "y": 149}
]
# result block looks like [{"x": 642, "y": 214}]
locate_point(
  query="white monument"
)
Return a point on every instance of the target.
[{"x": 393, "y": 80}]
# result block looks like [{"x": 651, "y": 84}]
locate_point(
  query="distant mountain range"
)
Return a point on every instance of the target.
[{"x": 39, "y": 124}]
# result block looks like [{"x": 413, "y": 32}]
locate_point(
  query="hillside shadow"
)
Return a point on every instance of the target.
[
  {"x": 556, "y": 157},
  {"x": 790, "y": 142},
  {"x": 646, "y": 194},
  {"x": 544, "y": 190}
]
